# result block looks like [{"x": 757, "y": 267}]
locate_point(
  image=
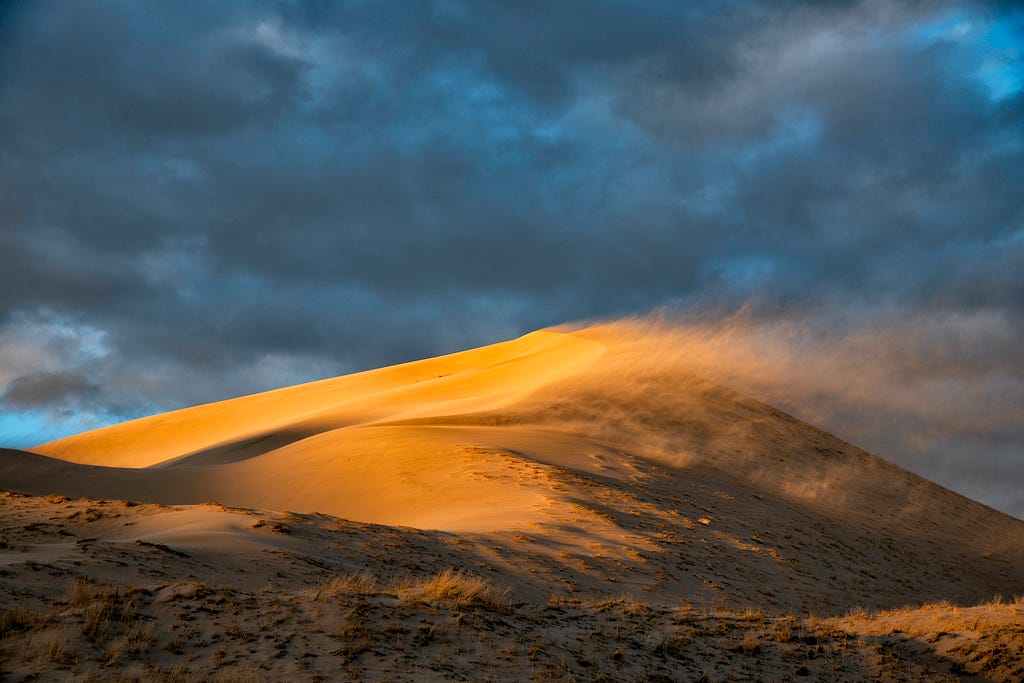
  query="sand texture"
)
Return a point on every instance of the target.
[{"x": 569, "y": 505}]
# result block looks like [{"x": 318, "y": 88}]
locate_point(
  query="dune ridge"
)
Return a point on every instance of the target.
[
  {"x": 479, "y": 378},
  {"x": 622, "y": 468},
  {"x": 468, "y": 515}
]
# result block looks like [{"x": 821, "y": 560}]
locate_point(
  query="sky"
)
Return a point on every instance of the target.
[{"x": 208, "y": 199}]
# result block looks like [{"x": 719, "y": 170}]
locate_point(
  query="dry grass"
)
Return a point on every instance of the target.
[
  {"x": 137, "y": 639},
  {"x": 106, "y": 610},
  {"x": 240, "y": 673},
  {"x": 111, "y": 621},
  {"x": 782, "y": 631},
  {"x": 82, "y": 593},
  {"x": 448, "y": 588},
  {"x": 54, "y": 646},
  {"x": 751, "y": 642},
  {"x": 452, "y": 589},
  {"x": 377, "y": 629},
  {"x": 18, "y": 619},
  {"x": 354, "y": 635},
  {"x": 677, "y": 643},
  {"x": 361, "y": 583}
]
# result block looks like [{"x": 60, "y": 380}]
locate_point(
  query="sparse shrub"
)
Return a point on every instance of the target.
[
  {"x": 236, "y": 673},
  {"x": 239, "y": 633},
  {"x": 857, "y": 612},
  {"x": 628, "y": 604},
  {"x": 100, "y": 605},
  {"x": 135, "y": 640},
  {"x": 676, "y": 644},
  {"x": 782, "y": 632},
  {"x": 753, "y": 615},
  {"x": 17, "y": 618},
  {"x": 685, "y": 615},
  {"x": 558, "y": 601},
  {"x": 751, "y": 642},
  {"x": 360, "y": 583},
  {"x": 83, "y": 592},
  {"x": 53, "y": 646},
  {"x": 355, "y": 637},
  {"x": 107, "y": 611},
  {"x": 452, "y": 589},
  {"x": 425, "y": 634}
]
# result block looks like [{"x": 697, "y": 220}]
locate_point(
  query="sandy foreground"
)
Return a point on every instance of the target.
[{"x": 564, "y": 506}]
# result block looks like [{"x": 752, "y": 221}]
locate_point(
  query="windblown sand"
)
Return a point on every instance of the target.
[{"x": 567, "y": 505}]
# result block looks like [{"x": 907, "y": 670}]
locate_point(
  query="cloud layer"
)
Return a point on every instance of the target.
[{"x": 203, "y": 203}]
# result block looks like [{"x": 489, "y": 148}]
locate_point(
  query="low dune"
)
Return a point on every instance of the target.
[{"x": 574, "y": 466}]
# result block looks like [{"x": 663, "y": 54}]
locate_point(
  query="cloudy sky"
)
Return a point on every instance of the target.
[{"x": 203, "y": 200}]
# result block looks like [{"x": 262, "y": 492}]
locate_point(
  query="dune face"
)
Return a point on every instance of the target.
[
  {"x": 343, "y": 446},
  {"x": 237, "y": 429},
  {"x": 570, "y": 505},
  {"x": 622, "y": 471}
]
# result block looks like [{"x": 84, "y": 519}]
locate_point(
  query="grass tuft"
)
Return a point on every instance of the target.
[
  {"x": 452, "y": 589},
  {"x": 361, "y": 583}
]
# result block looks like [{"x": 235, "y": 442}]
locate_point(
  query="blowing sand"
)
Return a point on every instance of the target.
[{"x": 564, "y": 505}]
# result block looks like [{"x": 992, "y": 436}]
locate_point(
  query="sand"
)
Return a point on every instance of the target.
[{"x": 586, "y": 472}]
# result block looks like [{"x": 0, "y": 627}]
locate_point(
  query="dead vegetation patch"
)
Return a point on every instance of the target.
[
  {"x": 451, "y": 588},
  {"x": 458, "y": 625}
]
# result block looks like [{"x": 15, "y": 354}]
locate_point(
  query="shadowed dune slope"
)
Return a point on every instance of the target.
[{"x": 613, "y": 464}]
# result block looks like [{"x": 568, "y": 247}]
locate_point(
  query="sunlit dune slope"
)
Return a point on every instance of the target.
[
  {"x": 599, "y": 445},
  {"x": 239, "y": 428}
]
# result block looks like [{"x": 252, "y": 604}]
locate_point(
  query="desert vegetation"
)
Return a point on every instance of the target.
[
  {"x": 560, "y": 507},
  {"x": 455, "y": 625},
  {"x": 84, "y": 597}
]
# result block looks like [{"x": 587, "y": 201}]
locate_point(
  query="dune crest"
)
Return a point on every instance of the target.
[
  {"x": 470, "y": 381},
  {"x": 602, "y": 450}
]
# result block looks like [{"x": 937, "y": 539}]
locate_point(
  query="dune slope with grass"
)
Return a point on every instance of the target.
[
  {"x": 590, "y": 461},
  {"x": 571, "y": 505}
]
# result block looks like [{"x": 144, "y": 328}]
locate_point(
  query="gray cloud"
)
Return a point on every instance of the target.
[
  {"x": 46, "y": 389},
  {"x": 250, "y": 195}
]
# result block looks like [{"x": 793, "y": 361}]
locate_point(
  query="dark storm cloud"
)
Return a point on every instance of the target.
[
  {"x": 246, "y": 195},
  {"x": 46, "y": 388}
]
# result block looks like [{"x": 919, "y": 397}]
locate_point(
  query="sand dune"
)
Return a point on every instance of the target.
[
  {"x": 107, "y": 590},
  {"x": 587, "y": 439},
  {"x": 240, "y": 428},
  {"x": 564, "y": 465}
]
